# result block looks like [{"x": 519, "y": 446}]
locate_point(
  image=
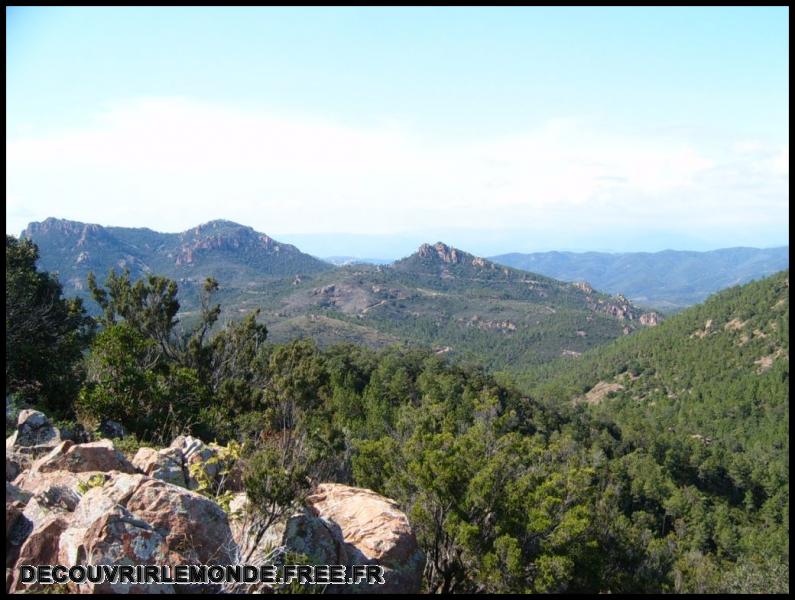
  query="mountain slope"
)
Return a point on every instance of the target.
[
  {"x": 463, "y": 306},
  {"x": 710, "y": 386},
  {"x": 701, "y": 406},
  {"x": 232, "y": 253},
  {"x": 667, "y": 280}
]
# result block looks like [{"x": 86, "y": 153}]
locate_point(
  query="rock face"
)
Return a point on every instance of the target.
[
  {"x": 375, "y": 531},
  {"x": 301, "y": 532},
  {"x": 40, "y": 548},
  {"x": 650, "y": 319}
]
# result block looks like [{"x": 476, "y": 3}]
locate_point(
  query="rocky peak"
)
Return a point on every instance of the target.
[
  {"x": 64, "y": 228},
  {"x": 223, "y": 235},
  {"x": 448, "y": 255}
]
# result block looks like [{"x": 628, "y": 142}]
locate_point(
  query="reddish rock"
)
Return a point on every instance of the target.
[
  {"x": 650, "y": 319},
  {"x": 79, "y": 458},
  {"x": 376, "y": 531},
  {"x": 92, "y": 506},
  {"x": 120, "y": 538},
  {"x": 195, "y": 528},
  {"x": 40, "y": 548}
]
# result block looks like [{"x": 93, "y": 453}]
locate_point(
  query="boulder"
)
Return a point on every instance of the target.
[
  {"x": 320, "y": 540},
  {"x": 94, "y": 503},
  {"x": 16, "y": 462},
  {"x": 54, "y": 501},
  {"x": 118, "y": 537},
  {"x": 301, "y": 532},
  {"x": 196, "y": 452},
  {"x": 375, "y": 531},
  {"x": 195, "y": 528},
  {"x": 17, "y": 530},
  {"x": 79, "y": 458},
  {"x": 35, "y": 482},
  {"x": 112, "y": 429},
  {"x": 165, "y": 464},
  {"x": 35, "y": 434},
  {"x": 40, "y": 548}
]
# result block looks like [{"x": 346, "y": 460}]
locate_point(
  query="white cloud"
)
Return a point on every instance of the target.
[{"x": 170, "y": 163}]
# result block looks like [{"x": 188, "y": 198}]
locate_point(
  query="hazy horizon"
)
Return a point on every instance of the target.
[{"x": 394, "y": 247}]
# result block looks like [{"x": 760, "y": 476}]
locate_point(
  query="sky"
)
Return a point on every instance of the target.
[{"x": 364, "y": 132}]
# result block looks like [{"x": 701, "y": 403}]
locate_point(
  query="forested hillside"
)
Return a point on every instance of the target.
[
  {"x": 704, "y": 399},
  {"x": 677, "y": 483}
]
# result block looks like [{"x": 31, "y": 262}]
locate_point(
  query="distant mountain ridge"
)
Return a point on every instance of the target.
[
  {"x": 230, "y": 252},
  {"x": 441, "y": 297},
  {"x": 461, "y": 305},
  {"x": 667, "y": 280}
]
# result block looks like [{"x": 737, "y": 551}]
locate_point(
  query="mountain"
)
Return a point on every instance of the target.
[
  {"x": 234, "y": 254},
  {"x": 461, "y": 305},
  {"x": 669, "y": 280}
]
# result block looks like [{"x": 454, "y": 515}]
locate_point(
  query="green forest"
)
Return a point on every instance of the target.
[{"x": 657, "y": 462}]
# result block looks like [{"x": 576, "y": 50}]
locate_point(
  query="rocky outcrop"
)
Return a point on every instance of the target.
[
  {"x": 185, "y": 459},
  {"x": 447, "y": 254},
  {"x": 452, "y": 256},
  {"x": 490, "y": 324},
  {"x": 338, "y": 525},
  {"x": 650, "y": 319},
  {"x": 195, "y": 529},
  {"x": 375, "y": 531},
  {"x": 83, "y": 504},
  {"x": 302, "y": 532},
  {"x": 87, "y": 504}
]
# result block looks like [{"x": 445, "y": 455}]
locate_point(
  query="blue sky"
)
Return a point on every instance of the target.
[{"x": 496, "y": 129}]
